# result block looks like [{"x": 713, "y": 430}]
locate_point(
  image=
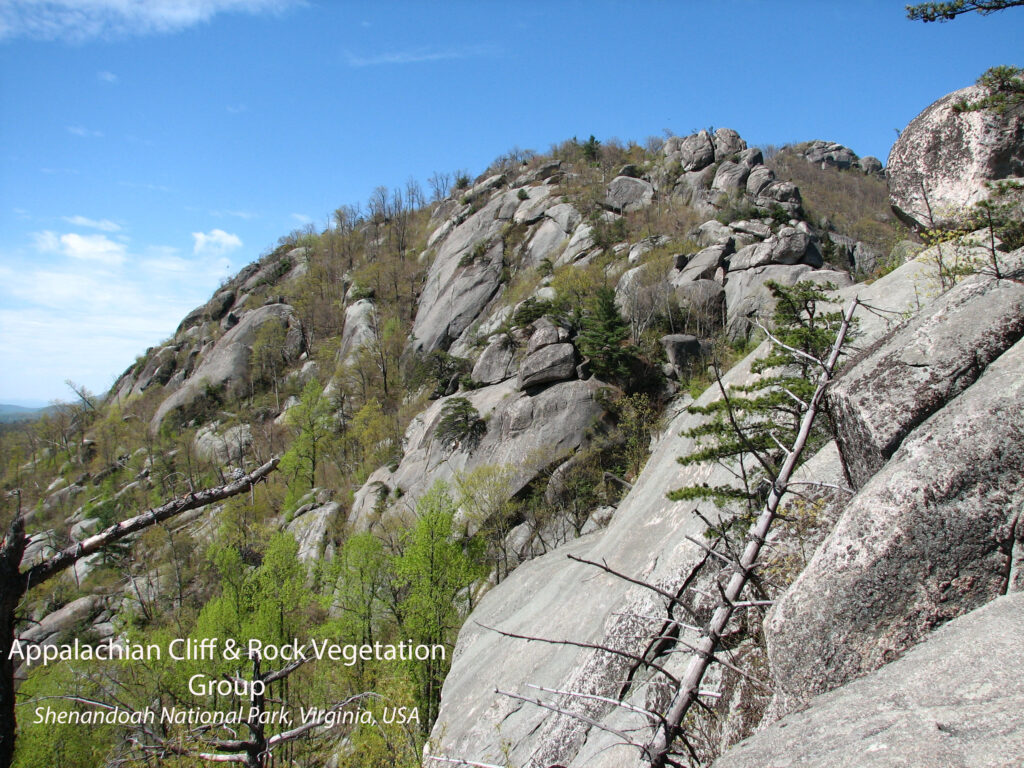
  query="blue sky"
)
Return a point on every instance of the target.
[{"x": 151, "y": 148}]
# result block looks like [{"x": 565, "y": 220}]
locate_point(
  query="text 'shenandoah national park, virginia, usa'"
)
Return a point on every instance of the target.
[{"x": 678, "y": 451}]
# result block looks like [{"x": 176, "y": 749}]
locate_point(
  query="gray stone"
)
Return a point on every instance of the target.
[
  {"x": 727, "y": 143},
  {"x": 751, "y": 157},
  {"x": 360, "y": 318},
  {"x": 953, "y": 701},
  {"x": 871, "y": 165},
  {"x": 71, "y": 616},
  {"x": 730, "y": 177},
  {"x": 789, "y": 246},
  {"x": 919, "y": 367},
  {"x": 693, "y": 153},
  {"x": 496, "y": 362},
  {"x": 929, "y": 537},
  {"x": 748, "y": 298},
  {"x": 211, "y": 311},
  {"x": 554, "y": 362},
  {"x": 712, "y": 232},
  {"x": 702, "y": 265},
  {"x": 952, "y": 156},
  {"x": 756, "y": 228},
  {"x": 626, "y": 193},
  {"x": 829, "y": 153},
  {"x": 682, "y": 350},
  {"x": 228, "y": 447},
  {"x": 527, "y": 432},
  {"x": 311, "y": 530},
  {"x": 759, "y": 179},
  {"x": 545, "y": 332},
  {"x": 227, "y": 363}
]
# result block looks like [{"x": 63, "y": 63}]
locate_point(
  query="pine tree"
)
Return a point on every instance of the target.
[
  {"x": 602, "y": 337},
  {"x": 750, "y": 425}
]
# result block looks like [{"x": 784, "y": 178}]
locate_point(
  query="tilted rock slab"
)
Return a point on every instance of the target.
[
  {"x": 956, "y": 701},
  {"x": 930, "y": 537},
  {"x": 918, "y": 368}
]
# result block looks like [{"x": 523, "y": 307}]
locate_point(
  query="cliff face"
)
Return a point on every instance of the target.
[{"x": 382, "y": 333}]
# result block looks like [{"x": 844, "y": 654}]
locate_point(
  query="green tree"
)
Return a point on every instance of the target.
[
  {"x": 603, "y": 334},
  {"x": 437, "y": 569},
  {"x": 750, "y": 425},
  {"x": 310, "y": 420},
  {"x": 460, "y": 425},
  {"x": 268, "y": 360}
]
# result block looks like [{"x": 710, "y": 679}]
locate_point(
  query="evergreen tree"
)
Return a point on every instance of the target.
[
  {"x": 602, "y": 336},
  {"x": 749, "y": 425}
]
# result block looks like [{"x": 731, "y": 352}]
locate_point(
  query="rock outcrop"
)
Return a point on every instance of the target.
[
  {"x": 954, "y": 701},
  {"x": 943, "y": 161}
]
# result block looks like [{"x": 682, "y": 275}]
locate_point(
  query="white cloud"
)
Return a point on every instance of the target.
[
  {"x": 104, "y": 225},
  {"x": 80, "y": 20},
  {"x": 106, "y": 77},
  {"x": 236, "y": 214},
  {"x": 419, "y": 56},
  {"x": 63, "y": 317},
  {"x": 85, "y": 133},
  {"x": 97, "y": 248},
  {"x": 216, "y": 242},
  {"x": 301, "y": 218},
  {"x": 236, "y": 109}
]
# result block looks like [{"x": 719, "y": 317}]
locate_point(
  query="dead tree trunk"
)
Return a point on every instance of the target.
[{"x": 15, "y": 583}]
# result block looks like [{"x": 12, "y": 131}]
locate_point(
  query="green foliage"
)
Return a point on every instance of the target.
[
  {"x": 436, "y": 570},
  {"x": 949, "y": 10},
  {"x": 310, "y": 421},
  {"x": 591, "y": 149},
  {"x": 748, "y": 425},
  {"x": 1004, "y": 86},
  {"x": 460, "y": 425},
  {"x": 602, "y": 337},
  {"x": 530, "y": 310}
]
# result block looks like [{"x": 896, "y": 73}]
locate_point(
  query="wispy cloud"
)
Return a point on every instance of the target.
[
  {"x": 81, "y": 20},
  {"x": 236, "y": 109},
  {"x": 302, "y": 218},
  {"x": 216, "y": 242},
  {"x": 104, "y": 225},
  {"x": 106, "y": 77},
  {"x": 86, "y": 133},
  {"x": 234, "y": 214},
  {"x": 419, "y": 56}
]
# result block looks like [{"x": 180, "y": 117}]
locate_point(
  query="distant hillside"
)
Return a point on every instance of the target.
[{"x": 10, "y": 413}]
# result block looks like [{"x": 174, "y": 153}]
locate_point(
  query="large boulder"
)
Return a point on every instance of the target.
[
  {"x": 918, "y": 368},
  {"x": 311, "y": 527},
  {"x": 943, "y": 161},
  {"x": 932, "y": 535},
  {"x": 550, "y": 363},
  {"x": 358, "y": 332},
  {"x": 693, "y": 153},
  {"x": 496, "y": 361},
  {"x": 954, "y": 701},
  {"x": 626, "y": 194}
]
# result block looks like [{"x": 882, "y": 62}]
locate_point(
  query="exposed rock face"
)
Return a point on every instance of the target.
[
  {"x": 310, "y": 527},
  {"x": 682, "y": 350},
  {"x": 496, "y": 362},
  {"x": 227, "y": 364},
  {"x": 358, "y": 330},
  {"x": 918, "y": 369},
  {"x": 748, "y": 298},
  {"x": 553, "y": 362},
  {"x": 950, "y": 156},
  {"x": 646, "y": 538},
  {"x": 526, "y": 432},
  {"x": 929, "y": 537},
  {"x": 464, "y": 275},
  {"x": 225, "y": 448},
  {"x": 693, "y": 153},
  {"x": 955, "y": 700}
]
